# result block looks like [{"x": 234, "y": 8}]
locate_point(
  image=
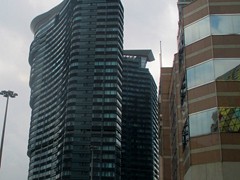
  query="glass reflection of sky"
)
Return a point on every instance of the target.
[
  {"x": 223, "y": 119},
  {"x": 214, "y": 24},
  {"x": 201, "y": 123},
  {"x": 209, "y": 71},
  {"x": 221, "y": 25}
]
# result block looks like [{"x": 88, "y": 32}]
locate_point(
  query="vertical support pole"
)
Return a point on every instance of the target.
[{"x": 3, "y": 131}]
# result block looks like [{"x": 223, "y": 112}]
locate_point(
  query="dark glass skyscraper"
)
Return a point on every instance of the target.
[
  {"x": 94, "y": 106},
  {"x": 140, "y": 154},
  {"x": 76, "y": 94}
]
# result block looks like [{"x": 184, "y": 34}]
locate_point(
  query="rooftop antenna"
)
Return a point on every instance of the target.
[
  {"x": 160, "y": 59},
  {"x": 160, "y": 55}
]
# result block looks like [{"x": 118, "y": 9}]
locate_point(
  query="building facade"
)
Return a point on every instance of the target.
[
  {"x": 140, "y": 152},
  {"x": 94, "y": 106},
  {"x": 199, "y": 95},
  {"x": 76, "y": 94}
]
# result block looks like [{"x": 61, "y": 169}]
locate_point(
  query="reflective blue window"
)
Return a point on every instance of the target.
[
  {"x": 200, "y": 74},
  {"x": 209, "y": 71},
  {"x": 197, "y": 31},
  {"x": 222, "y": 66},
  {"x": 212, "y": 25},
  {"x": 201, "y": 123},
  {"x": 225, "y": 24}
]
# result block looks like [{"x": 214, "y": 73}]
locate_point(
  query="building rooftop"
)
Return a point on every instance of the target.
[
  {"x": 144, "y": 52},
  {"x": 40, "y": 20}
]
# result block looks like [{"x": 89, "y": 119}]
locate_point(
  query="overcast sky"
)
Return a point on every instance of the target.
[{"x": 147, "y": 22}]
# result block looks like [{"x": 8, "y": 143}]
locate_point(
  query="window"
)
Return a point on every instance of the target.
[
  {"x": 225, "y": 24},
  {"x": 202, "y": 122},
  {"x": 200, "y": 74},
  {"x": 212, "y": 25},
  {"x": 185, "y": 134},
  {"x": 108, "y": 148},
  {"x": 197, "y": 30},
  {"x": 229, "y": 119},
  {"x": 209, "y": 71},
  {"x": 109, "y": 115},
  {"x": 108, "y": 165}
]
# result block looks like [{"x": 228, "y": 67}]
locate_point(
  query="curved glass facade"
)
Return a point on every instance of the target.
[{"x": 76, "y": 95}]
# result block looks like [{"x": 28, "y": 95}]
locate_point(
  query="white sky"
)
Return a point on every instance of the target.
[{"x": 147, "y": 22}]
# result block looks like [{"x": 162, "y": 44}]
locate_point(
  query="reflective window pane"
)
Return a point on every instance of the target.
[
  {"x": 224, "y": 65},
  {"x": 225, "y": 24},
  {"x": 203, "y": 122},
  {"x": 209, "y": 71},
  {"x": 200, "y": 74},
  {"x": 197, "y": 31},
  {"x": 236, "y": 24},
  {"x": 229, "y": 119},
  {"x": 221, "y": 25},
  {"x": 214, "y": 24}
]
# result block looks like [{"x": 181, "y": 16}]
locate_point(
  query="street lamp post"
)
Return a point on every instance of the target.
[
  {"x": 92, "y": 152},
  {"x": 6, "y": 94},
  {"x": 91, "y": 163}
]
